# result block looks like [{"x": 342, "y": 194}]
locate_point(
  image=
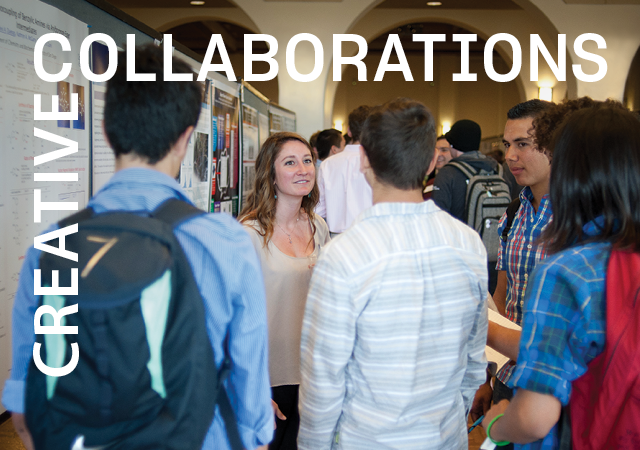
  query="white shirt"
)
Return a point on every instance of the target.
[
  {"x": 286, "y": 284},
  {"x": 344, "y": 191},
  {"x": 394, "y": 333}
]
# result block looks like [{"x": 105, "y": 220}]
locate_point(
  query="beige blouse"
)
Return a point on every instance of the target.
[{"x": 286, "y": 280}]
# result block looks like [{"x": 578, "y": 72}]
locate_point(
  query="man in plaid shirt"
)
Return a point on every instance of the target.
[{"x": 519, "y": 254}]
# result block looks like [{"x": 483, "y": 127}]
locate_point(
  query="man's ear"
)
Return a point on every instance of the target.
[
  {"x": 333, "y": 150},
  {"x": 349, "y": 133},
  {"x": 434, "y": 160},
  {"x": 179, "y": 150},
  {"x": 364, "y": 161}
]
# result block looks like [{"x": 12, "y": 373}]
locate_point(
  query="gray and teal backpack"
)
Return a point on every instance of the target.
[{"x": 486, "y": 201}]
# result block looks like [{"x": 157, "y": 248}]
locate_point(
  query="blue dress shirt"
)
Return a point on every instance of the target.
[{"x": 228, "y": 274}]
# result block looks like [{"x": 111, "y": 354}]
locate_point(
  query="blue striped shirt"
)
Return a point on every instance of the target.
[
  {"x": 223, "y": 260},
  {"x": 394, "y": 332}
]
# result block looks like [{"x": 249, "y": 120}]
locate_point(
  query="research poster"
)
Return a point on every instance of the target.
[
  {"x": 250, "y": 148},
  {"x": 195, "y": 173},
  {"x": 23, "y": 139},
  {"x": 102, "y": 158},
  {"x": 281, "y": 119},
  {"x": 226, "y": 159}
]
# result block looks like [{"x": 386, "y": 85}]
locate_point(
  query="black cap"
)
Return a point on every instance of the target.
[{"x": 464, "y": 136}]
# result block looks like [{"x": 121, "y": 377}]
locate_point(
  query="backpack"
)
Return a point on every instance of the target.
[
  {"x": 605, "y": 401},
  {"x": 486, "y": 200},
  {"x": 146, "y": 376}
]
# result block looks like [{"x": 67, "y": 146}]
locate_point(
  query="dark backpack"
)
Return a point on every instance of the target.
[
  {"x": 605, "y": 401},
  {"x": 146, "y": 376},
  {"x": 486, "y": 201}
]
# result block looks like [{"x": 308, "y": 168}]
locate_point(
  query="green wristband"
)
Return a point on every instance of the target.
[{"x": 498, "y": 443}]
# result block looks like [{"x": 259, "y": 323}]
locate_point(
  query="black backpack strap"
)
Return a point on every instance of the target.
[
  {"x": 80, "y": 216},
  {"x": 228, "y": 415},
  {"x": 512, "y": 209},
  {"x": 175, "y": 211},
  {"x": 466, "y": 169}
]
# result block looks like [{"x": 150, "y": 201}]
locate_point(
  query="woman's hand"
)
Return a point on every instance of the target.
[{"x": 277, "y": 412}]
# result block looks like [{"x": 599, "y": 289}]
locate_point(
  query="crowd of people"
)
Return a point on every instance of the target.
[{"x": 348, "y": 307}]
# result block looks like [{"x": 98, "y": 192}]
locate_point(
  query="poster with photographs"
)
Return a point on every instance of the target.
[
  {"x": 195, "y": 176},
  {"x": 226, "y": 160}
]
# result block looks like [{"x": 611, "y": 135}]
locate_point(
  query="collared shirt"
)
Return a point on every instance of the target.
[
  {"x": 394, "y": 333},
  {"x": 564, "y": 324},
  {"x": 344, "y": 191},
  {"x": 223, "y": 260},
  {"x": 519, "y": 255}
]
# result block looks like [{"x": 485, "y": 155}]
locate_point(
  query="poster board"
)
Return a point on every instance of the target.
[
  {"x": 195, "y": 171},
  {"x": 21, "y": 24},
  {"x": 255, "y": 123},
  {"x": 225, "y": 163},
  {"x": 281, "y": 119}
]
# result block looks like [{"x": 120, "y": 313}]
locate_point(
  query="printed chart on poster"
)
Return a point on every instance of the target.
[
  {"x": 195, "y": 173},
  {"x": 255, "y": 130},
  {"x": 281, "y": 119},
  {"x": 250, "y": 148},
  {"x": 23, "y": 140},
  {"x": 226, "y": 158}
]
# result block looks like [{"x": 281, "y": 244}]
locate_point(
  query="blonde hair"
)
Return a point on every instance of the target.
[{"x": 261, "y": 200}]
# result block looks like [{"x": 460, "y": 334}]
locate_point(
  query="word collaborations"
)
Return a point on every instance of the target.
[
  {"x": 392, "y": 47},
  {"x": 69, "y": 147}
]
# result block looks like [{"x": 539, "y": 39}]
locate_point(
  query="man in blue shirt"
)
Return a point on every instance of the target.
[{"x": 148, "y": 125}]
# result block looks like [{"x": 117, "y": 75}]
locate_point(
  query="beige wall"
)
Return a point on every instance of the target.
[{"x": 484, "y": 101}]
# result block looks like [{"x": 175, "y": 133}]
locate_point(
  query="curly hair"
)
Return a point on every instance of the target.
[
  {"x": 595, "y": 177},
  {"x": 261, "y": 200},
  {"x": 546, "y": 124}
]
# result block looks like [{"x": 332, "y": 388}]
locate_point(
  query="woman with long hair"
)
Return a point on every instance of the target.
[
  {"x": 287, "y": 235},
  {"x": 595, "y": 193}
]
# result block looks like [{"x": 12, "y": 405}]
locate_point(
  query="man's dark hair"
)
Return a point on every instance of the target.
[
  {"x": 529, "y": 109},
  {"x": 148, "y": 117},
  {"x": 399, "y": 140},
  {"x": 595, "y": 175},
  {"x": 326, "y": 139},
  {"x": 356, "y": 121},
  {"x": 314, "y": 138}
]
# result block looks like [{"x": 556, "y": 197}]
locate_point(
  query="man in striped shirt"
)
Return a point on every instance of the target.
[{"x": 395, "y": 324}]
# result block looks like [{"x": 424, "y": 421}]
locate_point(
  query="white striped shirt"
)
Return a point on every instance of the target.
[{"x": 394, "y": 333}]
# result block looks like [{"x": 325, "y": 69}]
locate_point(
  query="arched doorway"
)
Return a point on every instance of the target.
[
  {"x": 631, "y": 97},
  {"x": 484, "y": 101}
]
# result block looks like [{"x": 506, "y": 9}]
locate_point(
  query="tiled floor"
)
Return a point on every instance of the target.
[{"x": 9, "y": 440}]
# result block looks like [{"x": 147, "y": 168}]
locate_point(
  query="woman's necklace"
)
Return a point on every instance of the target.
[{"x": 289, "y": 234}]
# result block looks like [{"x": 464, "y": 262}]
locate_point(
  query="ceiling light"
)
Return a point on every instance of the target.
[
  {"x": 197, "y": 2},
  {"x": 434, "y": 3}
]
